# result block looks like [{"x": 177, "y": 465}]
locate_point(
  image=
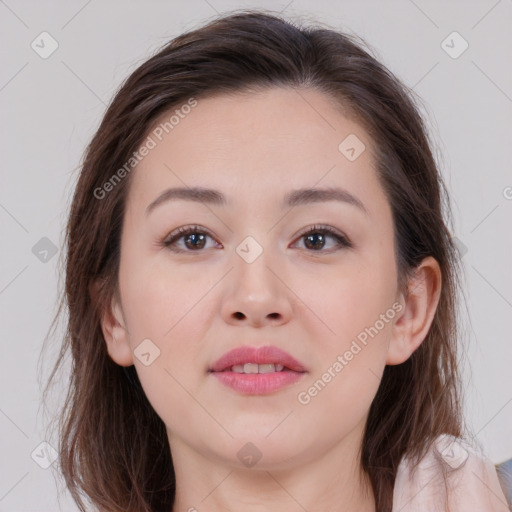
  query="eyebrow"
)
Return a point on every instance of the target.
[{"x": 294, "y": 198}]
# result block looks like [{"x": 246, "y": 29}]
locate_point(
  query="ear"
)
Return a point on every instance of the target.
[
  {"x": 420, "y": 304},
  {"x": 114, "y": 332}
]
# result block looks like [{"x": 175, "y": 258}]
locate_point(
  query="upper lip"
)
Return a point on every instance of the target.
[{"x": 260, "y": 355}]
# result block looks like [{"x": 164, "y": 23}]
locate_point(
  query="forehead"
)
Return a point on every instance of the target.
[{"x": 258, "y": 142}]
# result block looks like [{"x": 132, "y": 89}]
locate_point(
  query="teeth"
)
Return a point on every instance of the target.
[
  {"x": 250, "y": 368},
  {"x": 266, "y": 368},
  {"x": 257, "y": 368}
]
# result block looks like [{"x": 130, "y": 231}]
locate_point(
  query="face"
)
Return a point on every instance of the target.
[{"x": 315, "y": 278}]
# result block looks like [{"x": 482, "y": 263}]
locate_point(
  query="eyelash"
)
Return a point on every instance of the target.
[{"x": 342, "y": 241}]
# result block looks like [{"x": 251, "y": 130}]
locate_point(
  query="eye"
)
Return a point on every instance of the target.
[
  {"x": 194, "y": 238},
  {"x": 316, "y": 236}
]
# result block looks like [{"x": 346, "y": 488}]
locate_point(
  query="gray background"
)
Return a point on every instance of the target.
[{"x": 51, "y": 107}]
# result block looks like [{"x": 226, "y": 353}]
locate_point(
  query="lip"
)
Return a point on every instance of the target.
[
  {"x": 257, "y": 383},
  {"x": 260, "y": 355}
]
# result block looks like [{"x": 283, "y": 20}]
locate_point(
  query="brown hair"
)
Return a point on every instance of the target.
[{"x": 113, "y": 446}]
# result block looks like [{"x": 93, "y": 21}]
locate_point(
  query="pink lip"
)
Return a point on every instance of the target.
[
  {"x": 259, "y": 355},
  {"x": 257, "y": 383}
]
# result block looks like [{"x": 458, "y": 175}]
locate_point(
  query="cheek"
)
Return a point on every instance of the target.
[
  {"x": 351, "y": 361},
  {"x": 357, "y": 302},
  {"x": 352, "y": 340},
  {"x": 159, "y": 298},
  {"x": 163, "y": 305}
]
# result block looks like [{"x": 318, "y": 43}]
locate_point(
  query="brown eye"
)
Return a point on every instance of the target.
[
  {"x": 194, "y": 239},
  {"x": 315, "y": 239}
]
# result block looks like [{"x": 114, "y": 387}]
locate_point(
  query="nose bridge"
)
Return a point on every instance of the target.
[
  {"x": 252, "y": 259},
  {"x": 255, "y": 292}
]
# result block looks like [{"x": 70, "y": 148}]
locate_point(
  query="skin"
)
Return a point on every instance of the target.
[{"x": 311, "y": 301}]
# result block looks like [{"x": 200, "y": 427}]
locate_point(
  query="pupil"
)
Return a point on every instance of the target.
[
  {"x": 314, "y": 236},
  {"x": 194, "y": 245}
]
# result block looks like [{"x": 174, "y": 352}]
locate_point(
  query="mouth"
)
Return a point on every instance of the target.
[
  {"x": 257, "y": 370},
  {"x": 265, "y": 359}
]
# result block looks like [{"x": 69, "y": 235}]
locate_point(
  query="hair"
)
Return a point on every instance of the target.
[{"x": 113, "y": 447}]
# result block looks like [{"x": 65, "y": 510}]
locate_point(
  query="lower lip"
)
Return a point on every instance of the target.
[{"x": 257, "y": 383}]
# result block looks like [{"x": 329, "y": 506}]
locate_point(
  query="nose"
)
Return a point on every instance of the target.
[{"x": 256, "y": 294}]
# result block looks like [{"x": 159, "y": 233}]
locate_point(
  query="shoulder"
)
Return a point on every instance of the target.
[{"x": 454, "y": 475}]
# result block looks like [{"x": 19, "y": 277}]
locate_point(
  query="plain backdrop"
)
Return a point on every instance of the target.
[{"x": 50, "y": 108}]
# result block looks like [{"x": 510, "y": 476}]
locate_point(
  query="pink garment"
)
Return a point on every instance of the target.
[{"x": 472, "y": 481}]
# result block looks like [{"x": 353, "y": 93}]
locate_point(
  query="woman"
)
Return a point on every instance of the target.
[{"x": 262, "y": 288}]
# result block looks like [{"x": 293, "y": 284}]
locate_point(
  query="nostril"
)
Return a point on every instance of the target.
[{"x": 239, "y": 315}]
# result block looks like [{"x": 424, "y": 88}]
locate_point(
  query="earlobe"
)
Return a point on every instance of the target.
[
  {"x": 420, "y": 304},
  {"x": 115, "y": 333}
]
